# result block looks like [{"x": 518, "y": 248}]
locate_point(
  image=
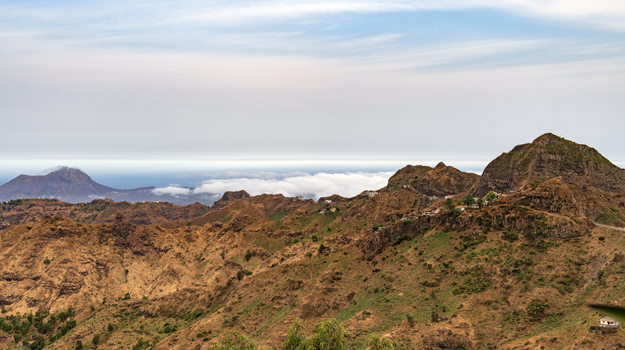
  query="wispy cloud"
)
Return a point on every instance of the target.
[
  {"x": 258, "y": 10},
  {"x": 602, "y": 13}
]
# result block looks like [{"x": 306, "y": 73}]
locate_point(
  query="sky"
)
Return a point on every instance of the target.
[{"x": 174, "y": 93}]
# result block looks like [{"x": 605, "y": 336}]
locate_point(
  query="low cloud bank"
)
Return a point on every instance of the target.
[
  {"x": 299, "y": 184},
  {"x": 173, "y": 190}
]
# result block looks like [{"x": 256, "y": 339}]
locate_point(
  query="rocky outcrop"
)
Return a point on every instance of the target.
[
  {"x": 439, "y": 181},
  {"x": 230, "y": 197},
  {"x": 534, "y": 225},
  {"x": 552, "y": 196}
]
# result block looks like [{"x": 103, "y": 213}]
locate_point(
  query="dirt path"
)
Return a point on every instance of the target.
[{"x": 612, "y": 227}]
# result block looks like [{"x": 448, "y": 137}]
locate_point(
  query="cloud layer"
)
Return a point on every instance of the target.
[
  {"x": 308, "y": 79},
  {"x": 306, "y": 185}
]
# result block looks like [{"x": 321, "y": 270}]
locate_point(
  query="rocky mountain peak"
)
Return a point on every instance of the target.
[{"x": 591, "y": 177}]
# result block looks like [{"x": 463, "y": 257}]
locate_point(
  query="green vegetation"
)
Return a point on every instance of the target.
[
  {"x": 42, "y": 327},
  {"x": 327, "y": 335},
  {"x": 610, "y": 219},
  {"x": 536, "y": 309}
]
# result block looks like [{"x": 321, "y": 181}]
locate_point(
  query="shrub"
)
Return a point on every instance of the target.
[
  {"x": 536, "y": 309},
  {"x": 141, "y": 344},
  {"x": 327, "y": 335},
  {"x": 234, "y": 341},
  {"x": 510, "y": 235},
  {"x": 375, "y": 342},
  {"x": 410, "y": 320},
  {"x": 401, "y": 238}
]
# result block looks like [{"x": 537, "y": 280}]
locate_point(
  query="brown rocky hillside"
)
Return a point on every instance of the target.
[
  {"x": 24, "y": 211},
  {"x": 515, "y": 274}
]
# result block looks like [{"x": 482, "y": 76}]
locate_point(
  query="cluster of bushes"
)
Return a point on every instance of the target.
[
  {"x": 475, "y": 281},
  {"x": 23, "y": 327},
  {"x": 326, "y": 335}
]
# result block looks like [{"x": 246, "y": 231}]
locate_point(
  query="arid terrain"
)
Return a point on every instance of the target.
[{"x": 509, "y": 260}]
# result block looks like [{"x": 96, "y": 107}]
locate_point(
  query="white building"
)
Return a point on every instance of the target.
[
  {"x": 371, "y": 194},
  {"x": 607, "y": 321}
]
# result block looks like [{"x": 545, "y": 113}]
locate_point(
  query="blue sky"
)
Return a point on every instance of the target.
[{"x": 105, "y": 84}]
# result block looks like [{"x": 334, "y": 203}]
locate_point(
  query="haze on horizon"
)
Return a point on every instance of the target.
[{"x": 131, "y": 90}]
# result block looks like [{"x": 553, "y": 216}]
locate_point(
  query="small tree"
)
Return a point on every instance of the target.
[
  {"x": 294, "y": 336},
  {"x": 248, "y": 255},
  {"x": 377, "y": 343},
  {"x": 234, "y": 341},
  {"x": 96, "y": 339},
  {"x": 449, "y": 204},
  {"x": 327, "y": 335},
  {"x": 38, "y": 343},
  {"x": 468, "y": 200}
]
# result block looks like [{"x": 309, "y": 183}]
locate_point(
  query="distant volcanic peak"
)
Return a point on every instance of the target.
[
  {"x": 440, "y": 165},
  {"x": 69, "y": 174}
]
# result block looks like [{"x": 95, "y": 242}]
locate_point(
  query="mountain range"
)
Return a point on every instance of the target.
[
  {"x": 509, "y": 260},
  {"x": 74, "y": 186}
]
